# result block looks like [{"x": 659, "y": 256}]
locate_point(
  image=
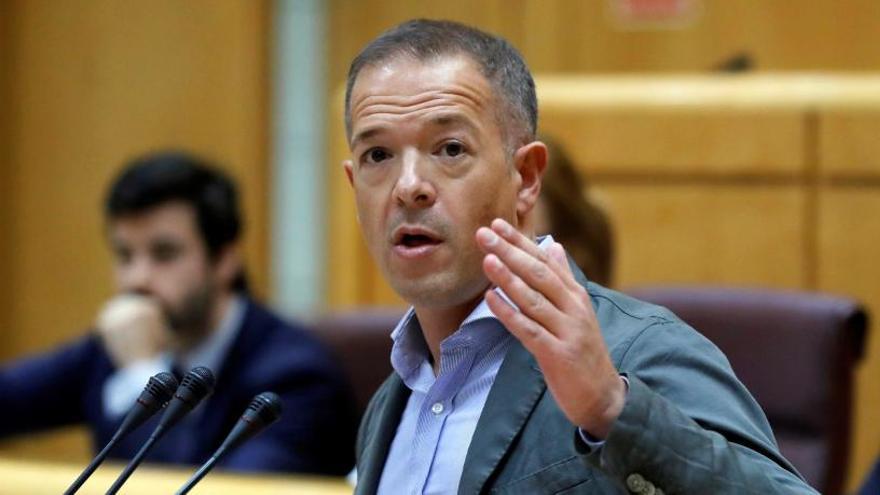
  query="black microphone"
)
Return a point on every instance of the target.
[
  {"x": 195, "y": 386},
  {"x": 263, "y": 410},
  {"x": 156, "y": 394}
]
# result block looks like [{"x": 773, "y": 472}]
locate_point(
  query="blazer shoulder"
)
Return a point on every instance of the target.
[
  {"x": 270, "y": 346},
  {"x": 265, "y": 331},
  {"x": 376, "y": 408},
  {"x": 625, "y": 319}
]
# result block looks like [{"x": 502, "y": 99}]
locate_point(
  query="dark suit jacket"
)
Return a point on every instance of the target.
[
  {"x": 688, "y": 425},
  {"x": 315, "y": 433}
]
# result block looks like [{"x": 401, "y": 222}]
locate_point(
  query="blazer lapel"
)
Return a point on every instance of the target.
[
  {"x": 378, "y": 443},
  {"x": 517, "y": 388}
]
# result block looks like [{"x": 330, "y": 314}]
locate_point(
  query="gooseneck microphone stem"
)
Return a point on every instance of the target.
[
  {"x": 93, "y": 465},
  {"x": 263, "y": 410},
  {"x": 135, "y": 461},
  {"x": 198, "y": 475},
  {"x": 195, "y": 386},
  {"x": 159, "y": 389}
]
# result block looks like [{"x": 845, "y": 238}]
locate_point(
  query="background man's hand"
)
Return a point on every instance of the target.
[
  {"x": 556, "y": 323},
  {"x": 133, "y": 328}
]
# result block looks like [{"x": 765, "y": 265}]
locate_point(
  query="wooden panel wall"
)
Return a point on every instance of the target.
[
  {"x": 5, "y": 189},
  {"x": 581, "y": 36},
  {"x": 848, "y": 239},
  {"x": 92, "y": 83}
]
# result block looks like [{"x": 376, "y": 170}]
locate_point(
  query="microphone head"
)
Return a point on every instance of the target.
[
  {"x": 163, "y": 385},
  {"x": 197, "y": 384},
  {"x": 264, "y": 409},
  {"x": 158, "y": 391}
]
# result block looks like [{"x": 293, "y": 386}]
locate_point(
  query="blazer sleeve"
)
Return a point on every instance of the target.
[
  {"x": 47, "y": 390},
  {"x": 688, "y": 424}
]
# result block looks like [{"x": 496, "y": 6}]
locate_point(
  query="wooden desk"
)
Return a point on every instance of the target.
[{"x": 38, "y": 478}]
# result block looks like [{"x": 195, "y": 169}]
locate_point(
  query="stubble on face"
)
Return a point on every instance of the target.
[
  {"x": 191, "y": 318},
  {"x": 404, "y": 96},
  {"x": 176, "y": 271}
]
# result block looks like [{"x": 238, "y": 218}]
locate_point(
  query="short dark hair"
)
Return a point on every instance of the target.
[
  {"x": 158, "y": 178},
  {"x": 499, "y": 62}
]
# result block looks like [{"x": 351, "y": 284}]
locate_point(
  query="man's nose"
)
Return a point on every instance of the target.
[
  {"x": 136, "y": 276},
  {"x": 414, "y": 189}
]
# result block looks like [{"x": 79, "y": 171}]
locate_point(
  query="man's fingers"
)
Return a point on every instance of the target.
[
  {"x": 515, "y": 237},
  {"x": 535, "y": 272},
  {"x": 559, "y": 262},
  {"x": 535, "y": 338},
  {"x": 545, "y": 270},
  {"x": 555, "y": 257},
  {"x": 529, "y": 301},
  {"x": 557, "y": 254}
]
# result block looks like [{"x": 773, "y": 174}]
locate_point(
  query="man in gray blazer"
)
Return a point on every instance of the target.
[{"x": 513, "y": 374}]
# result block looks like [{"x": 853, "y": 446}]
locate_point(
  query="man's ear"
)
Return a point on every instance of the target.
[
  {"x": 228, "y": 265},
  {"x": 530, "y": 162},
  {"x": 349, "y": 170}
]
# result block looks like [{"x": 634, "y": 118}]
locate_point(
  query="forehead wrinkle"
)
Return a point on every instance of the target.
[
  {"x": 437, "y": 117},
  {"x": 465, "y": 93},
  {"x": 450, "y": 114},
  {"x": 391, "y": 110}
]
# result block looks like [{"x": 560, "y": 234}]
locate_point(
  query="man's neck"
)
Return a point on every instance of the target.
[
  {"x": 439, "y": 323},
  {"x": 216, "y": 313}
]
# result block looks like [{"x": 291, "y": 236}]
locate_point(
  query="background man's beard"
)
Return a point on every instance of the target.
[{"x": 192, "y": 319}]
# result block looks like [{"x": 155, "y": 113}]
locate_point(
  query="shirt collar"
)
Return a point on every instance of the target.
[{"x": 410, "y": 351}]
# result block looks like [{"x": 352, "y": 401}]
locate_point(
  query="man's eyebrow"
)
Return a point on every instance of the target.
[
  {"x": 452, "y": 120},
  {"x": 165, "y": 241},
  {"x": 441, "y": 120},
  {"x": 366, "y": 134}
]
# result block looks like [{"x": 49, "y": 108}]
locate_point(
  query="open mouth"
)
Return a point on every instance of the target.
[{"x": 417, "y": 240}]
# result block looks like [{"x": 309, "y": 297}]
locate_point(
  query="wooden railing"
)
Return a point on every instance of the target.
[{"x": 42, "y": 478}]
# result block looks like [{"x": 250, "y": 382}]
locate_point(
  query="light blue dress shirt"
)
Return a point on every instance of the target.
[{"x": 428, "y": 452}]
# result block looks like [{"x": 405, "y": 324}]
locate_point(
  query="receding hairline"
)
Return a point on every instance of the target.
[
  {"x": 497, "y": 60},
  {"x": 501, "y": 104}
]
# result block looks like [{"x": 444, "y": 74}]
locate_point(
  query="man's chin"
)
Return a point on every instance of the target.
[{"x": 436, "y": 293}]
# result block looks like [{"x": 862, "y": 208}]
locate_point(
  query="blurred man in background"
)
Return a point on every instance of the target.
[
  {"x": 513, "y": 373},
  {"x": 566, "y": 211},
  {"x": 173, "y": 224}
]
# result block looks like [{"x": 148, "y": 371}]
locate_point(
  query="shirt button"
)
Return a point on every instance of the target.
[
  {"x": 636, "y": 483},
  {"x": 437, "y": 408}
]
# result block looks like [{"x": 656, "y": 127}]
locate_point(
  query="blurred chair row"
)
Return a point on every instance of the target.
[{"x": 796, "y": 352}]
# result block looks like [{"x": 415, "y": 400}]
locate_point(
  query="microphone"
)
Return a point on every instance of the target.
[
  {"x": 263, "y": 410},
  {"x": 195, "y": 386},
  {"x": 156, "y": 394}
]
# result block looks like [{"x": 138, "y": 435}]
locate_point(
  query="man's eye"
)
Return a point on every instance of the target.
[
  {"x": 123, "y": 256},
  {"x": 376, "y": 155},
  {"x": 165, "y": 253},
  {"x": 453, "y": 149}
]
